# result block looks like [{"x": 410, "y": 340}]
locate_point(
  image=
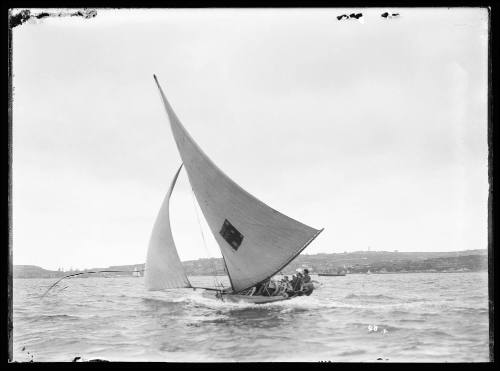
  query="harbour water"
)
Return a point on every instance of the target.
[{"x": 413, "y": 317}]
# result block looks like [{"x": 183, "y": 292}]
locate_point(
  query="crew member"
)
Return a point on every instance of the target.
[{"x": 307, "y": 286}]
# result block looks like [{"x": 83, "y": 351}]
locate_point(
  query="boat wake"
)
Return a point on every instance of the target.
[
  {"x": 369, "y": 297},
  {"x": 202, "y": 299}
]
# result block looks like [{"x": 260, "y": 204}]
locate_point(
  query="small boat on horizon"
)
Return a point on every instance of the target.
[
  {"x": 341, "y": 271},
  {"x": 332, "y": 274},
  {"x": 136, "y": 272}
]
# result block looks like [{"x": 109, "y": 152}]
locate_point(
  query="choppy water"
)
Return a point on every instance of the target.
[{"x": 427, "y": 317}]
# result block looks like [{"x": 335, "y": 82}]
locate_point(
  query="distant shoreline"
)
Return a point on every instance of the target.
[
  {"x": 358, "y": 262},
  {"x": 312, "y": 274}
]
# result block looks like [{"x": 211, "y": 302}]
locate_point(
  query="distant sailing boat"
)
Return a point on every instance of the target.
[
  {"x": 256, "y": 241},
  {"x": 136, "y": 272},
  {"x": 333, "y": 274}
]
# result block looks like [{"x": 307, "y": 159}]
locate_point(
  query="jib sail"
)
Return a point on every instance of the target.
[{"x": 164, "y": 269}]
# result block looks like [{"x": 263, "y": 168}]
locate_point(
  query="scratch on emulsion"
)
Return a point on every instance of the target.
[{"x": 25, "y": 15}]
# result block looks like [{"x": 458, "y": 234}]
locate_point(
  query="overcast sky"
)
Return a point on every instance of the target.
[{"x": 375, "y": 130}]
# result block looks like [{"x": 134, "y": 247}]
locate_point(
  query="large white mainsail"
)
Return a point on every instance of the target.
[
  {"x": 256, "y": 241},
  {"x": 163, "y": 267}
]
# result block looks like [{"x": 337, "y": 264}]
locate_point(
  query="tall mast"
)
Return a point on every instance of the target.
[{"x": 228, "y": 274}]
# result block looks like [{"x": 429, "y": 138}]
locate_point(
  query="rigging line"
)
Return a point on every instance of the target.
[
  {"x": 87, "y": 272},
  {"x": 216, "y": 282}
]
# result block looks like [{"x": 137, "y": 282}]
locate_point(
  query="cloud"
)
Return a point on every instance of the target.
[{"x": 375, "y": 131}]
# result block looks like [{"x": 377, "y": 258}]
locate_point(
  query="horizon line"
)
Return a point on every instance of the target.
[{"x": 320, "y": 253}]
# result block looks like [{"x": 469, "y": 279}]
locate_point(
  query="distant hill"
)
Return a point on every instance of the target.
[
  {"x": 352, "y": 262},
  {"x": 32, "y": 271},
  {"x": 387, "y": 262}
]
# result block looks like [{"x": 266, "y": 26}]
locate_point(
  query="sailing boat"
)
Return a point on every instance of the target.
[{"x": 256, "y": 241}]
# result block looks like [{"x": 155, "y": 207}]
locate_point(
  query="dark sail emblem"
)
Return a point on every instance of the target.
[{"x": 231, "y": 235}]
